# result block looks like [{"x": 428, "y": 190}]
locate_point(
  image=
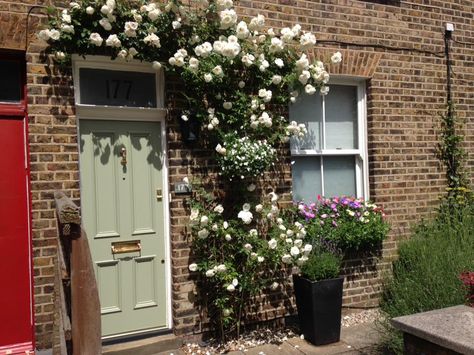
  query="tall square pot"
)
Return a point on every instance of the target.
[{"x": 319, "y": 306}]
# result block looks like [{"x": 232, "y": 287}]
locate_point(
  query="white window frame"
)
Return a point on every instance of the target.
[
  {"x": 138, "y": 114},
  {"x": 361, "y": 154}
]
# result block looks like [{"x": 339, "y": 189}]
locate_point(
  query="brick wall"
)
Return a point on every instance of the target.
[
  {"x": 54, "y": 166},
  {"x": 406, "y": 93}
]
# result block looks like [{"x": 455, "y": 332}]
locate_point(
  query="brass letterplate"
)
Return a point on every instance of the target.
[{"x": 131, "y": 246}]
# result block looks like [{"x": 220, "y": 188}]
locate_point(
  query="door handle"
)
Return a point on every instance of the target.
[
  {"x": 159, "y": 194},
  {"x": 123, "y": 154}
]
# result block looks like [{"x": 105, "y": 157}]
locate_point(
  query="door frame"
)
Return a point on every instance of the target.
[{"x": 137, "y": 114}]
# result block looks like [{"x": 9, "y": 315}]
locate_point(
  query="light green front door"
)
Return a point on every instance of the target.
[{"x": 122, "y": 208}]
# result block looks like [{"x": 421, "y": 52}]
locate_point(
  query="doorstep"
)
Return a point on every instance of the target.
[{"x": 148, "y": 346}]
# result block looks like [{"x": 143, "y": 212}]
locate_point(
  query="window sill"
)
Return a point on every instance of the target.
[{"x": 334, "y": 152}]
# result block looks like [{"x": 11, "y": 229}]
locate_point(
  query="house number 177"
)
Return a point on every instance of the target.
[{"x": 117, "y": 89}]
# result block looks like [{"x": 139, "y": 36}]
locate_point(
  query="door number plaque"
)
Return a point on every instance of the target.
[{"x": 182, "y": 188}]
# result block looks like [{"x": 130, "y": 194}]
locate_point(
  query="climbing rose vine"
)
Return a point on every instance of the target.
[
  {"x": 239, "y": 75},
  {"x": 240, "y": 251}
]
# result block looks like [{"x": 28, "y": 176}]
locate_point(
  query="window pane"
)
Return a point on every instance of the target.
[
  {"x": 117, "y": 88},
  {"x": 10, "y": 81},
  {"x": 306, "y": 173},
  {"x": 341, "y": 117},
  {"x": 308, "y": 110},
  {"x": 339, "y": 176}
]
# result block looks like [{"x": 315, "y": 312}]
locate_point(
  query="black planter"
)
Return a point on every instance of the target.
[{"x": 319, "y": 306}]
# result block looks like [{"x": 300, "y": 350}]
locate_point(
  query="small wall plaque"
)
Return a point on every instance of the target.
[{"x": 182, "y": 188}]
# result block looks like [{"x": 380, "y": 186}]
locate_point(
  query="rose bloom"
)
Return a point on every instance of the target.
[
  {"x": 203, "y": 233},
  {"x": 336, "y": 57},
  {"x": 96, "y": 39},
  {"x": 228, "y": 18},
  {"x": 272, "y": 243},
  {"x": 245, "y": 216},
  {"x": 219, "y": 209},
  {"x": 294, "y": 251}
]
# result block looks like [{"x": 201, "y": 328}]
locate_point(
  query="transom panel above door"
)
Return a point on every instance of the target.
[{"x": 123, "y": 214}]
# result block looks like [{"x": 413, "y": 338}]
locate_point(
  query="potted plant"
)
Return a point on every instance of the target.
[{"x": 318, "y": 292}]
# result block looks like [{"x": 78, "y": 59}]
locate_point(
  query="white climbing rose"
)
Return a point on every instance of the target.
[
  {"x": 272, "y": 243},
  {"x": 336, "y": 57},
  {"x": 96, "y": 39}
]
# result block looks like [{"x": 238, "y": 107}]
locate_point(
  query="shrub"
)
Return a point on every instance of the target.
[
  {"x": 348, "y": 222},
  {"x": 321, "y": 266},
  {"x": 426, "y": 274}
]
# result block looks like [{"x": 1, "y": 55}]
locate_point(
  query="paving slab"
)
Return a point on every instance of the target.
[
  {"x": 361, "y": 336},
  {"x": 355, "y": 340},
  {"x": 273, "y": 349},
  {"x": 308, "y": 348},
  {"x": 171, "y": 352}
]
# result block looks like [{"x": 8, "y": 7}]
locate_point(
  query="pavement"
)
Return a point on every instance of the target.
[{"x": 359, "y": 339}]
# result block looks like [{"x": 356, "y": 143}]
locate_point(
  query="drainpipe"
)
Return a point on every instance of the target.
[{"x": 449, "y": 29}]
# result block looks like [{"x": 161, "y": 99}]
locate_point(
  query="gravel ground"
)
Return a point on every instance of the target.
[
  {"x": 360, "y": 317},
  {"x": 246, "y": 341},
  {"x": 272, "y": 336}
]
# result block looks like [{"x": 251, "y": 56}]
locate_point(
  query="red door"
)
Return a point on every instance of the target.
[{"x": 16, "y": 300}]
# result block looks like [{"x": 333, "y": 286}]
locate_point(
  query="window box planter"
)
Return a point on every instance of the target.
[{"x": 319, "y": 306}]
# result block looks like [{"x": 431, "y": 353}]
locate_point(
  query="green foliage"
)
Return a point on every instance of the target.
[
  {"x": 453, "y": 156},
  {"x": 245, "y": 158},
  {"x": 426, "y": 274},
  {"x": 238, "y": 252},
  {"x": 351, "y": 224},
  {"x": 321, "y": 266}
]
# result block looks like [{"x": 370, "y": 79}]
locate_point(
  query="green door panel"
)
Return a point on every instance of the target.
[{"x": 119, "y": 204}]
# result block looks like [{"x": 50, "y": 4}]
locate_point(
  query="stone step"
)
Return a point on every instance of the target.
[{"x": 167, "y": 343}]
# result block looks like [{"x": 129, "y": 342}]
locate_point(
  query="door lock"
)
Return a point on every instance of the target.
[{"x": 159, "y": 194}]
